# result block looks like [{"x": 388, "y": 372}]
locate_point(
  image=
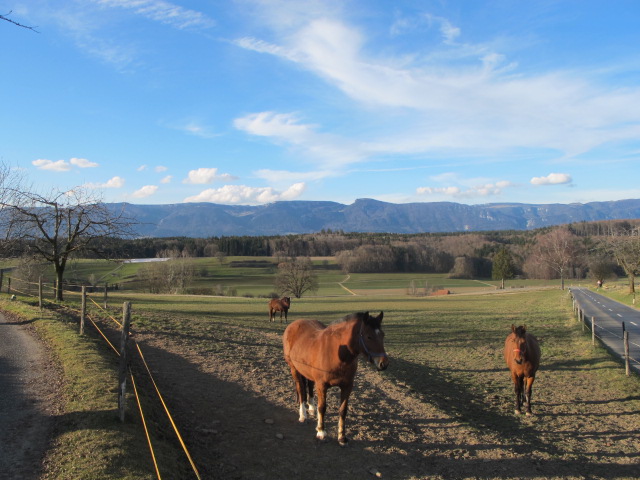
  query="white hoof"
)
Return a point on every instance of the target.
[{"x": 321, "y": 435}]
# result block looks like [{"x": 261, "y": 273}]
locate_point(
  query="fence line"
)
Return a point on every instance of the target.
[
  {"x": 593, "y": 326},
  {"x": 99, "y": 330}
]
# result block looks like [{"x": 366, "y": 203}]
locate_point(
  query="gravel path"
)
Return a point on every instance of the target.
[{"x": 27, "y": 395}]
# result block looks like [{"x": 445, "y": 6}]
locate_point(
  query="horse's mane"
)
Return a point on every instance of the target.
[{"x": 375, "y": 322}]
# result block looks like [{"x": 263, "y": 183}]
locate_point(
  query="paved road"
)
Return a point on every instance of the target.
[
  {"x": 25, "y": 398},
  {"x": 609, "y": 316}
]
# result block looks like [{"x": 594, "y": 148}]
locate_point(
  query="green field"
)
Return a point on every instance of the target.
[{"x": 446, "y": 354}]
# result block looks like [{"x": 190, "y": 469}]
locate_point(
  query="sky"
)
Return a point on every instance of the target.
[{"x": 256, "y": 101}]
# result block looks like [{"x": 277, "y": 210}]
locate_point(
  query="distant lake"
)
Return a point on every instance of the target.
[{"x": 146, "y": 260}]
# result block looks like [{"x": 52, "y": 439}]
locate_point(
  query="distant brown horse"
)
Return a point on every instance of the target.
[
  {"x": 281, "y": 305},
  {"x": 328, "y": 357},
  {"x": 522, "y": 354}
]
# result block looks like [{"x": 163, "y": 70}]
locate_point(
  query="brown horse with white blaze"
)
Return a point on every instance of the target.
[
  {"x": 522, "y": 354},
  {"x": 281, "y": 305},
  {"x": 327, "y": 356}
]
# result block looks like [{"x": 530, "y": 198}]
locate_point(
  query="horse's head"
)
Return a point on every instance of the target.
[
  {"x": 520, "y": 343},
  {"x": 286, "y": 301},
  {"x": 372, "y": 340}
]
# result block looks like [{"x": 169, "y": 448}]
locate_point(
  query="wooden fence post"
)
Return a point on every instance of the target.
[
  {"x": 627, "y": 366},
  {"x": 106, "y": 287},
  {"x": 1, "y": 278},
  {"x": 122, "y": 377},
  {"x": 40, "y": 292},
  {"x": 581, "y": 318},
  {"x": 9, "y": 285},
  {"x": 593, "y": 331},
  {"x": 83, "y": 309}
]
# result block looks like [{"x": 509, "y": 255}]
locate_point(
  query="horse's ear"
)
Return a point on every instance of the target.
[
  {"x": 524, "y": 329},
  {"x": 380, "y": 316},
  {"x": 513, "y": 328}
]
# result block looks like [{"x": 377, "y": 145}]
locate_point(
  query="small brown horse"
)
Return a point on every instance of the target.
[
  {"x": 281, "y": 305},
  {"x": 327, "y": 356},
  {"x": 522, "y": 354}
]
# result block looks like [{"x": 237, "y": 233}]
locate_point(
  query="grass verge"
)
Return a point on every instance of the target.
[{"x": 89, "y": 441}]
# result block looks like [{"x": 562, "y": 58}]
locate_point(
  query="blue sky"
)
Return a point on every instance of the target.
[{"x": 250, "y": 102}]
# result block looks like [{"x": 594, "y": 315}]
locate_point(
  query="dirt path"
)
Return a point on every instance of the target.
[
  {"x": 26, "y": 404},
  {"x": 235, "y": 401}
]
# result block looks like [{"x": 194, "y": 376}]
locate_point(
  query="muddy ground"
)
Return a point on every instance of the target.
[{"x": 232, "y": 396}]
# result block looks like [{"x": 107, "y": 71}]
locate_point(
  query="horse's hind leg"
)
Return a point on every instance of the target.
[{"x": 527, "y": 394}]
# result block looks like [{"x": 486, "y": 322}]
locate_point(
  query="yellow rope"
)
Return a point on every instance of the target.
[
  {"x": 166, "y": 409},
  {"x": 144, "y": 424}
]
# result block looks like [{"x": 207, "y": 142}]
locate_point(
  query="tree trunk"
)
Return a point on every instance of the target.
[
  {"x": 632, "y": 283},
  {"x": 59, "y": 275}
]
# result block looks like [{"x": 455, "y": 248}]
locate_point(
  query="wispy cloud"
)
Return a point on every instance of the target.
[
  {"x": 287, "y": 129},
  {"x": 245, "y": 195},
  {"x": 162, "y": 11},
  {"x": 465, "y": 97}
]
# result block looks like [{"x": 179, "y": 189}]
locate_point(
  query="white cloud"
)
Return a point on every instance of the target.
[
  {"x": 115, "y": 182},
  {"x": 63, "y": 165},
  {"x": 325, "y": 149},
  {"x": 58, "y": 166},
  {"x": 142, "y": 168},
  {"x": 474, "y": 190},
  {"x": 167, "y": 179},
  {"x": 552, "y": 179},
  {"x": 82, "y": 163},
  {"x": 160, "y": 169},
  {"x": 245, "y": 195},
  {"x": 145, "y": 191},
  {"x": 206, "y": 175}
]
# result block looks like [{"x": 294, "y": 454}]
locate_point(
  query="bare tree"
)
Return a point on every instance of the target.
[
  {"x": 6, "y": 18},
  {"x": 624, "y": 245},
  {"x": 57, "y": 226},
  {"x": 296, "y": 276},
  {"x": 559, "y": 250}
]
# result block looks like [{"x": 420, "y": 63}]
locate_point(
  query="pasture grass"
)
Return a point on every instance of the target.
[{"x": 446, "y": 350}]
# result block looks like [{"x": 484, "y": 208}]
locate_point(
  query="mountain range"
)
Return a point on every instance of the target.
[{"x": 201, "y": 220}]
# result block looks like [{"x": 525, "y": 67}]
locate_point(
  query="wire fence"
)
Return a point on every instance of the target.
[
  {"x": 101, "y": 316},
  {"x": 607, "y": 336}
]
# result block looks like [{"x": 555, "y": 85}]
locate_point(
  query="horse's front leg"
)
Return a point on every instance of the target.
[
  {"x": 301, "y": 393},
  {"x": 322, "y": 408},
  {"x": 528, "y": 392},
  {"x": 310, "y": 408},
  {"x": 517, "y": 382},
  {"x": 344, "y": 407}
]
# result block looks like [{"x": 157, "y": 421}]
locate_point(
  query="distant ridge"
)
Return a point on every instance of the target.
[{"x": 201, "y": 220}]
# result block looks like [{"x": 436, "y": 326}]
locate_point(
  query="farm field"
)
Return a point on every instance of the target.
[
  {"x": 254, "y": 277},
  {"x": 442, "y": 410}
]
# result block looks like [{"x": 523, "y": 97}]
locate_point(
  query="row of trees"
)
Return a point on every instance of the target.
[{"x": 57, "y": 226}]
